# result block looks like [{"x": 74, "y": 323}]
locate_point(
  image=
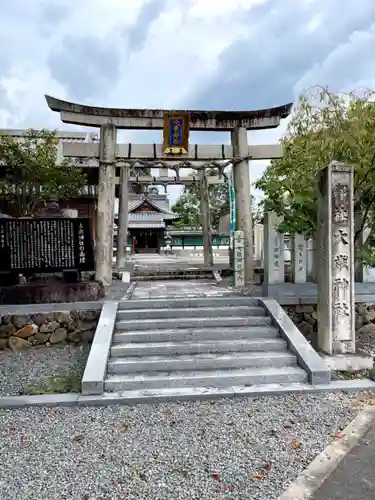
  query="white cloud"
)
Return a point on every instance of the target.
[
  {"x": 349, "y": 65},
  {"x": 314, "y": 23},
  {"x": 178, "y": 53},
  {"x": 213, "y": 9}
]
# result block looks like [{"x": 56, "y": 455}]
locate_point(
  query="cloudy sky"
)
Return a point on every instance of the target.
[{"x": 213, "y": 54}]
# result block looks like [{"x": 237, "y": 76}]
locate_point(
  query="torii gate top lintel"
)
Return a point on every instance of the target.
[{"x": 122, "y": 118}]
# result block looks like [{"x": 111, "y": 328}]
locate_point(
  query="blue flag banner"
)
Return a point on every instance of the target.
[
  {"x": 232, "y": 203},
  {"x": 176, "y": 133}
]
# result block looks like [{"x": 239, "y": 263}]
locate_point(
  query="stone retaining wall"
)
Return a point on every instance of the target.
[
  {"x": 20, "y": 331},
  {"x": 51, "y": 290},
  {"x": 305, "y": 318}
]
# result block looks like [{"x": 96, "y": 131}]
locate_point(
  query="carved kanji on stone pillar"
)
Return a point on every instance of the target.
[{"x": 336, "y": 313}]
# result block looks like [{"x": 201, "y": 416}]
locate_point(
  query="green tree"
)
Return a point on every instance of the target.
[
  {"x": 218, "y": 195},
  {"x": 324, "y": 126},
  {"x": 188, "y": 208},
  {"x": 30, "y": 172},
  {"x": 257, "y": 211},
  {"x": 188, "y": 205}
]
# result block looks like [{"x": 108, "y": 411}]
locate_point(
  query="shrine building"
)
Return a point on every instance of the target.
[{"x": 151, "y": 220}]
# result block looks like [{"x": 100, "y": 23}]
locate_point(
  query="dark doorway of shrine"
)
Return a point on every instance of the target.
[{"x": 147, "y": 240}]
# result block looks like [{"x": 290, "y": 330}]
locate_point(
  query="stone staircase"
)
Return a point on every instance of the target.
[{"x": 176, "y": 344}]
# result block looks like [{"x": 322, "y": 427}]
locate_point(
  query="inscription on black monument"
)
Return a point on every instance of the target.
[{"x": 46, "y": 245}]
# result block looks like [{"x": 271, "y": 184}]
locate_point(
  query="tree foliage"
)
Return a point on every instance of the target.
[
  {"x": 188, "y": 205},
  {"x": 31, "y": 174},
  {"x": 324, "y": 126},
  {"x": 188, "y": 208}
]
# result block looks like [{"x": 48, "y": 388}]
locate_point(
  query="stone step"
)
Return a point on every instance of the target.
[
  {"x": 172, "y": 323},
  {"x": 206, "y": 378},
  {"x": 198, "y": 346},
  {"x": 197, "y": 334},
  {"x": 201, "y": 362},
  {"x": 172, "y": 276},
  {"x": 225, "y": 301},
  {"x": 190, "y": 312},
  {"x": 171, "y": 269}
]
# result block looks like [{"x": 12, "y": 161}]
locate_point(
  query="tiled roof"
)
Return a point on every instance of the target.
[
  {"x": 149, "y": 219},
  {"x": 158, "y": 205}
]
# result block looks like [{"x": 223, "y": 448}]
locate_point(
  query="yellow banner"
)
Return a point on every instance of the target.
[{"x": 176, "y": 133}]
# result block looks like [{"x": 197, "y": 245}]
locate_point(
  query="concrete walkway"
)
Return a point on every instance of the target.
[
  {"x": 160, "y": 260},
  {"x": 177, "y": 289},
  {"x": 354, "y": 478}
]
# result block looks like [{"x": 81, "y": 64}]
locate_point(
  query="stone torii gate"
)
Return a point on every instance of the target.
[
  {"x": 132, "y": 172},
  {"x": 111, "y": 119}
]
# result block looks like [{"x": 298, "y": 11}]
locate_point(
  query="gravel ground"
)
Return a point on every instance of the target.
[
  {"x": 35, "y": 364},
  {"x": 246, "y": 448}
]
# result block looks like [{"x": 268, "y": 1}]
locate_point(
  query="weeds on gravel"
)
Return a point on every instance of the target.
[
  {"x": 61, "y": 382},
  {"x": 352, "y": 376}
]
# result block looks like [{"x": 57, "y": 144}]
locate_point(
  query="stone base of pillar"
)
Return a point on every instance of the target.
[
  {"x": 121, "y": 263},
  {"x": 128, "y": 266},
  {"x": 349, "y": 362}
]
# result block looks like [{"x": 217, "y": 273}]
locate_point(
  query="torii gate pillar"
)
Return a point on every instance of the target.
[
  {"x": 241, "y": 179},
  {"x": 106, "y": 201}
]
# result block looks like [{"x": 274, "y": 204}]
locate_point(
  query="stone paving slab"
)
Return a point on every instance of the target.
[
  {"x": 158, "y": 262},
  {"x": 294, "y": 293},
  {"x": 117, "y": 291},
  {"x": 284, "y": 293},
  {"x": 157, "y": 258},
  {"x": 147, "y": 396},
  {"x": 178, "y": 289},
  {"x": 354, "y": 478}
]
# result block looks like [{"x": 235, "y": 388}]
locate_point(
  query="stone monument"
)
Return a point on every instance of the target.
[
  {"x": 238, "y": 259},
  {"x": 336, "y": 294},
  {"x": 274, "y": 265},
  {"x": 299, "y": 258}
]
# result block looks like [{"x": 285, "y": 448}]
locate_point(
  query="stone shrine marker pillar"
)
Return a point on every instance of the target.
[
  {"x": 336, "y": 315},
  {"x": 274, "y": 268},
  {"x": 238, "y": 259},
  {"x": 336, "y": 294},
  {"x": 258, "y": 243},
  {"x": 299, "y": 258}
]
